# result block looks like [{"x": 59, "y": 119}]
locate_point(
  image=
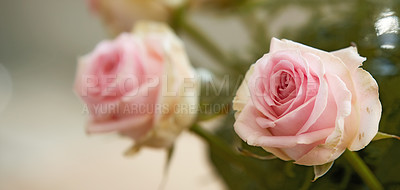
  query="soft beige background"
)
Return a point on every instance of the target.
[{"x": 42, "y": 141}]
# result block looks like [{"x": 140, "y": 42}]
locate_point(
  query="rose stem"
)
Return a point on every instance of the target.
[
  {"x": 200, "y": 38},
  {"x": 180, "y": 22},
  {"x": 225, "y": 151},
  {"x": 362, "y": 170},
  {"x": 307, "y": 183},
  {"x": 214, "y": 141}
]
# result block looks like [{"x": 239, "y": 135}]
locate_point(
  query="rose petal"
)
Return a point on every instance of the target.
[
  {"x": 321, "y": 154},
  {"x": 370, "y": 108},
  {"x": 350, "y": 57},
  {"x": 136, "y": 125},
  {"x": 243, "y": 93},
  {"x": 265, "y": 123},
  {"x": 290, "y": 141},
  {"x": 331, "y": 63},
  {"x": 329, "y": 115},
  {"x": 326, "y": 120},
  {"x": 177, "y": 101},
  {"x": 291, "y": 123},
  {"x": 301, "y": 149},
  {"x": 257, "y": 91},
  {"x": 334, "y": 145},
  {"x": 299, "y": 96},
  {"x": 247, "y": 128},
  {"x": 181, "y": 79},
  {"x": 367, "y": 95},
  {"x": 322, "y": 95}
]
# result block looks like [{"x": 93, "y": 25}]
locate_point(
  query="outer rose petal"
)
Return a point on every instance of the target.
[
  {"x": 243, "y": 93},
  {"x": 178, "y": 97},
  {"x": 134, "y": 127},
  {"x": 247, "y": 129},
  {"x": 366, "y": 89},
  {"x": 80, "y": 87},
  {"x": 336, "y": 142},
  {"x": 350, "y": 57},
  {"x": 257, "y": 136},
  {"x": 370, "y": 108}
]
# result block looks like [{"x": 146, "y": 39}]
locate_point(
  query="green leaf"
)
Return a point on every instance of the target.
[
  {"x": 381, "y": 135},
  {"x": 248, "y": 153},
  {"x": 170, "y": 152},
  {"x": 321, "y": 170},
  {"x": 131, "y": 151}
]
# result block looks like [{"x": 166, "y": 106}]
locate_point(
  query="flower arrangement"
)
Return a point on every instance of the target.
[{"x": 295, "y": 107}]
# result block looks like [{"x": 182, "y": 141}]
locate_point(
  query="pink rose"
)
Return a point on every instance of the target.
[
  {"x": 140, "y": 85},
  {"x": 307, "y": 105}
]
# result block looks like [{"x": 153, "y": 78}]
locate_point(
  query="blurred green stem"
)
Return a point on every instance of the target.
[
  {"x": 226, "y": 152},
  {"x": 180, "y": 22},
  {"x": 203, "y": 41},
  {"x": 215, "y": 142},
  {"x": 307, "y": 182},
  {"x": 362, "y": 170}
]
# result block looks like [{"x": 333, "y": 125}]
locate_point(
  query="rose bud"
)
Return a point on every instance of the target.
[
  {"x": 120, "y": 15},
  {"x": 307, "y": 105},
  {"x": 141, "y": 85}
]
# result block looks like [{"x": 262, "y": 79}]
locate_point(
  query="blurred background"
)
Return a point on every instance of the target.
[{"x": 43, "y": 145}]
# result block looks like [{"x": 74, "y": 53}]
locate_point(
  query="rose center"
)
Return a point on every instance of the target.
[
  {"x": 110, "y": 63},
  {"x": 285, "y": 85},
  {"x": 284, "y": 82}
]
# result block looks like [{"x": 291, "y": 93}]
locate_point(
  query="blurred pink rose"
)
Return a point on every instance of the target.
[
  {"x": 307, "y": 105},
  {"x": 140, "y": 85}
]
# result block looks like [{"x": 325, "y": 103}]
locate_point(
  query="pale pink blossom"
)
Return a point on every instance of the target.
[
  {"x": 307, "y": 105},
  {"x": 138, "y": 85}
]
